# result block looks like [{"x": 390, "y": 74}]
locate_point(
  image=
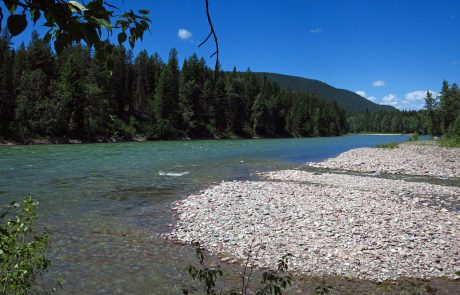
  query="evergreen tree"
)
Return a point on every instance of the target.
[
  {"x": 36, "y": 113},
  {"x": 7, "y": 93},
  {"x": 74, "y": 95},
  {"x": 166, "y": 102},
  {"x": 431, "y": 107}
]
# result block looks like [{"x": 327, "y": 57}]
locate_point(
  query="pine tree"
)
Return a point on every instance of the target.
[
  {"x": 36, "y": 113},
  {"x": 166, "y": 104},
  {"x": 7, "y": 93},
  {"x": 431, "y": 107}
]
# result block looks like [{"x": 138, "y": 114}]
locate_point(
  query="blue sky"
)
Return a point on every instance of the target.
[{"x": 388, "y": 51}]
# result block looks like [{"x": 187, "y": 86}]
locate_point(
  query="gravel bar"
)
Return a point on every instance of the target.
[
  {"x": 334, "y": 224},
  {"x": 423, "y": 159}
]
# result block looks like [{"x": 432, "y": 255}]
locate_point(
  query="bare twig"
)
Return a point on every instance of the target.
[
  {"x": 247, "y": 277},
  {"x": 212, "y": 33},
  {"x": 243, "y": 287},
  {"x": 250, "y": 271}
]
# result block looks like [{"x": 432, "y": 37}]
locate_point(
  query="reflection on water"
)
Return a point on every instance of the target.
[{"x": 105, "y": 205}]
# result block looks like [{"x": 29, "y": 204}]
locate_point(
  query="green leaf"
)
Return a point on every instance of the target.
[
  {"x": 122, "y": 38},
  {"x": 74, "y": 6},
  {"x": 132, "y": 41},
  {"x": 90, "y": 35},
  {"x": 144, "y": 11},
  {"x": 17, "y": 24},
  {"x": 11, "y": 5},
  {"x": 102, "y": 22}
]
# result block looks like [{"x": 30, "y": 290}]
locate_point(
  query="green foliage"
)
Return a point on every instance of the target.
[
  {"x": 387, "y": 122},
  {"x": 323, "y": 289},
  {"x": 449, "y": 107},
  {"x": 206, "y": 275},
  {"x": 121, "y": 129},
  {"x": 450, "y": 142},
  {"x": 455, "y": 127},
  {"x": 391, "y": 145},
  {"x": 72, "y": 21},
  {"x": 443, "y": 114},
  {"x": 274, "y": 282},
  {"x": 414, "y": 137},
  {"x": 432, "y": 117},
  {"x": 22, "y": 248},
  {"x": 73, "y": 95}
]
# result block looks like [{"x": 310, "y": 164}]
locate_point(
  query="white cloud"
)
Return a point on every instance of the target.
[
  {"x": 414, "y": 100},
  {"x": 390, "y": 99},
  {"x": 363, "y": 94},
  {"x": 184, "y": 34},
  {"x": 378, "y": 83},
  {"x": 418, "y": 95},
  {"x": 316, "y": 31}
]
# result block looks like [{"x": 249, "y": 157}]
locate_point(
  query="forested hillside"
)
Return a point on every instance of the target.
[
  {"x": 74, "y": 96},
  {"x": 349, "y": 101}
]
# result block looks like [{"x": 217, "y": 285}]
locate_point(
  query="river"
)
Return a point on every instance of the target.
[{"x": 106, "y": 204}]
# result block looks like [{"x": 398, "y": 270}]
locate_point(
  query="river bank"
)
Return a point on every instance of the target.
[
  {"x": 141, "y": 138},
  {"x": 424, "y": 158},
  {"x": 355, "y": 226}
]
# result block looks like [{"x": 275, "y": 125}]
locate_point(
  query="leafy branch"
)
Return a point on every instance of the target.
[{"x": 72, "y": 21}]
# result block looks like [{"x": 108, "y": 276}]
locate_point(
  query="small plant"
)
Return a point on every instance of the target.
[
  {"x": 415, "y": 137},
  {"x": 323, "y": 289},
  {"x": 391, "y": 145},
  {"x": 207, "y": 276},
  {"x": 22, "y": 248},
  {"x": 450, "y": 142},
  {"x": 274, "y": 281}
]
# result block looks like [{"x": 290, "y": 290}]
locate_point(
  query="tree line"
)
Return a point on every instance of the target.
[
  {"x": 387, "y": 122},
  {"x": 443, "y": 113},
  {"x": 439, "y": 117},
  {"x": 74, "y": 95}
]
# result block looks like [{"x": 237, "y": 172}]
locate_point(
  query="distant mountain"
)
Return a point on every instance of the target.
[{"x": 348, "y": 100}]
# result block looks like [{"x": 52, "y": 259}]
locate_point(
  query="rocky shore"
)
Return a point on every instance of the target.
[
  {"x": 417, "y": 158},
  {"x": 334, "y": 224}
]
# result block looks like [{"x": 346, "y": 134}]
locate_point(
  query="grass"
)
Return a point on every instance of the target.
[
  {"x": 450, "y": 142},
  {"x": 391, "y": 145}
]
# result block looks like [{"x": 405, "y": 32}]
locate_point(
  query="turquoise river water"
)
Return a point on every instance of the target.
[{"x": 106, "y": 204}]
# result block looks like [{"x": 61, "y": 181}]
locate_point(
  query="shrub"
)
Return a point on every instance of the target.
[
  {"x": 415, "y": 137},
  {"x": 22, "y": 248},
  {"x": 450, "y": 142},
  {"x": 391, "y": 145},
  {"x": 274, "y": 282}
]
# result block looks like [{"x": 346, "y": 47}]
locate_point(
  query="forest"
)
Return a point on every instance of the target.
[
  {"x": 387, "y": 122},
  {"x": 74, "y": 96}
]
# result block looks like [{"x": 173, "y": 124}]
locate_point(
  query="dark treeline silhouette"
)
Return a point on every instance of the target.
[
  {"x": 74, "y": 96},
  {"x": 387, "y": 122}
]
